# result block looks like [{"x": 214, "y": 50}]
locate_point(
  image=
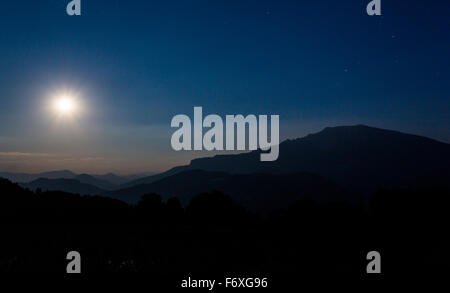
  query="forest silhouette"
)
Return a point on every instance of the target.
[{"x": 213, "y": 233}]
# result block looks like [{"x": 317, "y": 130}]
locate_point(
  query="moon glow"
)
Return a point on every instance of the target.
[{"x": 65, "y": 105}]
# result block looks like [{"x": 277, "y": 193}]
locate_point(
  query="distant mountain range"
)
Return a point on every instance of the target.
[
  {"x": 106, "y": 181},
  {"x": 66, "y": 185},
  {"x": 28, "y": 177},
  {"x": 358, "y": 157},
  {"x": 335, "y": 163}
]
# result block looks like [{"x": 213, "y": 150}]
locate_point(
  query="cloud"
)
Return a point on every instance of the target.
[
  {"x": 49, "y": 156},
  {"x": 20, "y": 154}
]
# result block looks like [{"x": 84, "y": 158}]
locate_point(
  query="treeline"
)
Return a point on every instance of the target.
[{"x": 214, "y": 233}]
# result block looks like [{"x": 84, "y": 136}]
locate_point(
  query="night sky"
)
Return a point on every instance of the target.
[{"x": 136, "y": 64}]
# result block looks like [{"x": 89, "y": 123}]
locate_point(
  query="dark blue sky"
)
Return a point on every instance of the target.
[{"x": 136, "y": 64}]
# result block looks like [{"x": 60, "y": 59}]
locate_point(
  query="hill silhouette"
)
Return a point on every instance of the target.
[
  {"x": 97, "y": 182},
  {"x": 155, "y": 177},
  {"x": 28, "y": 177},
  {"x": 65, "y": 185},
  {"x": 107, "y": 181},
  {"x": 360, "y": 158},
  {"x": 117, "y": 180},
  {"x": 215, "y": 234},
  {"x": 260, "y": 192}
]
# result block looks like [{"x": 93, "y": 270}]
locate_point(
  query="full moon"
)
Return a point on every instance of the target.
[{"x": 65, "y": 105}]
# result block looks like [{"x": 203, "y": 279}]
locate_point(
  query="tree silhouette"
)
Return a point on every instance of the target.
[{"x": 214, "y": 232}]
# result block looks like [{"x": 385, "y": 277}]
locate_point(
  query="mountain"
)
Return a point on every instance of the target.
[
  {"x": 18, "y": 177},
  {"x": 27, "y": 177},
  {"x": 256, "y": 191},
  {"x": 153, "y": 178},
  {"x": 57, "y": 174},
  {"x": 104, "y": 181},
  {"x": 91, "y": 180},
  {"x": 66, "y": 185},
  {"x": 112, "y": 178},
  {"x": 360, "y": 158},
  {"x": 122, "y": 180}
]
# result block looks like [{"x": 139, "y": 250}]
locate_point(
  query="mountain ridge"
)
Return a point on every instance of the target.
[
  {"x": 104, "y": 181},
  {"x": 255, "y": 191},
  {"x": 65, "y": 185},
  {"x": 359, "y": 157}
]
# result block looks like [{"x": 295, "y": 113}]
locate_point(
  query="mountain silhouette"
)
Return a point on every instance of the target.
[
  {"x": 119, "y": 180},
  {"x": 360, "y": 158},
  {"x": 220, "y": 234},
  {"x": 91, "y": 180},
  {"x": 260, "y": 192},
  {"x": 28, "y": 177},
  {"x": 104, "y": 181},
  {"x": 65, "y": 185},
  {"x": 113, "y": 179},
  {"x": 155, "y": 177}
]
